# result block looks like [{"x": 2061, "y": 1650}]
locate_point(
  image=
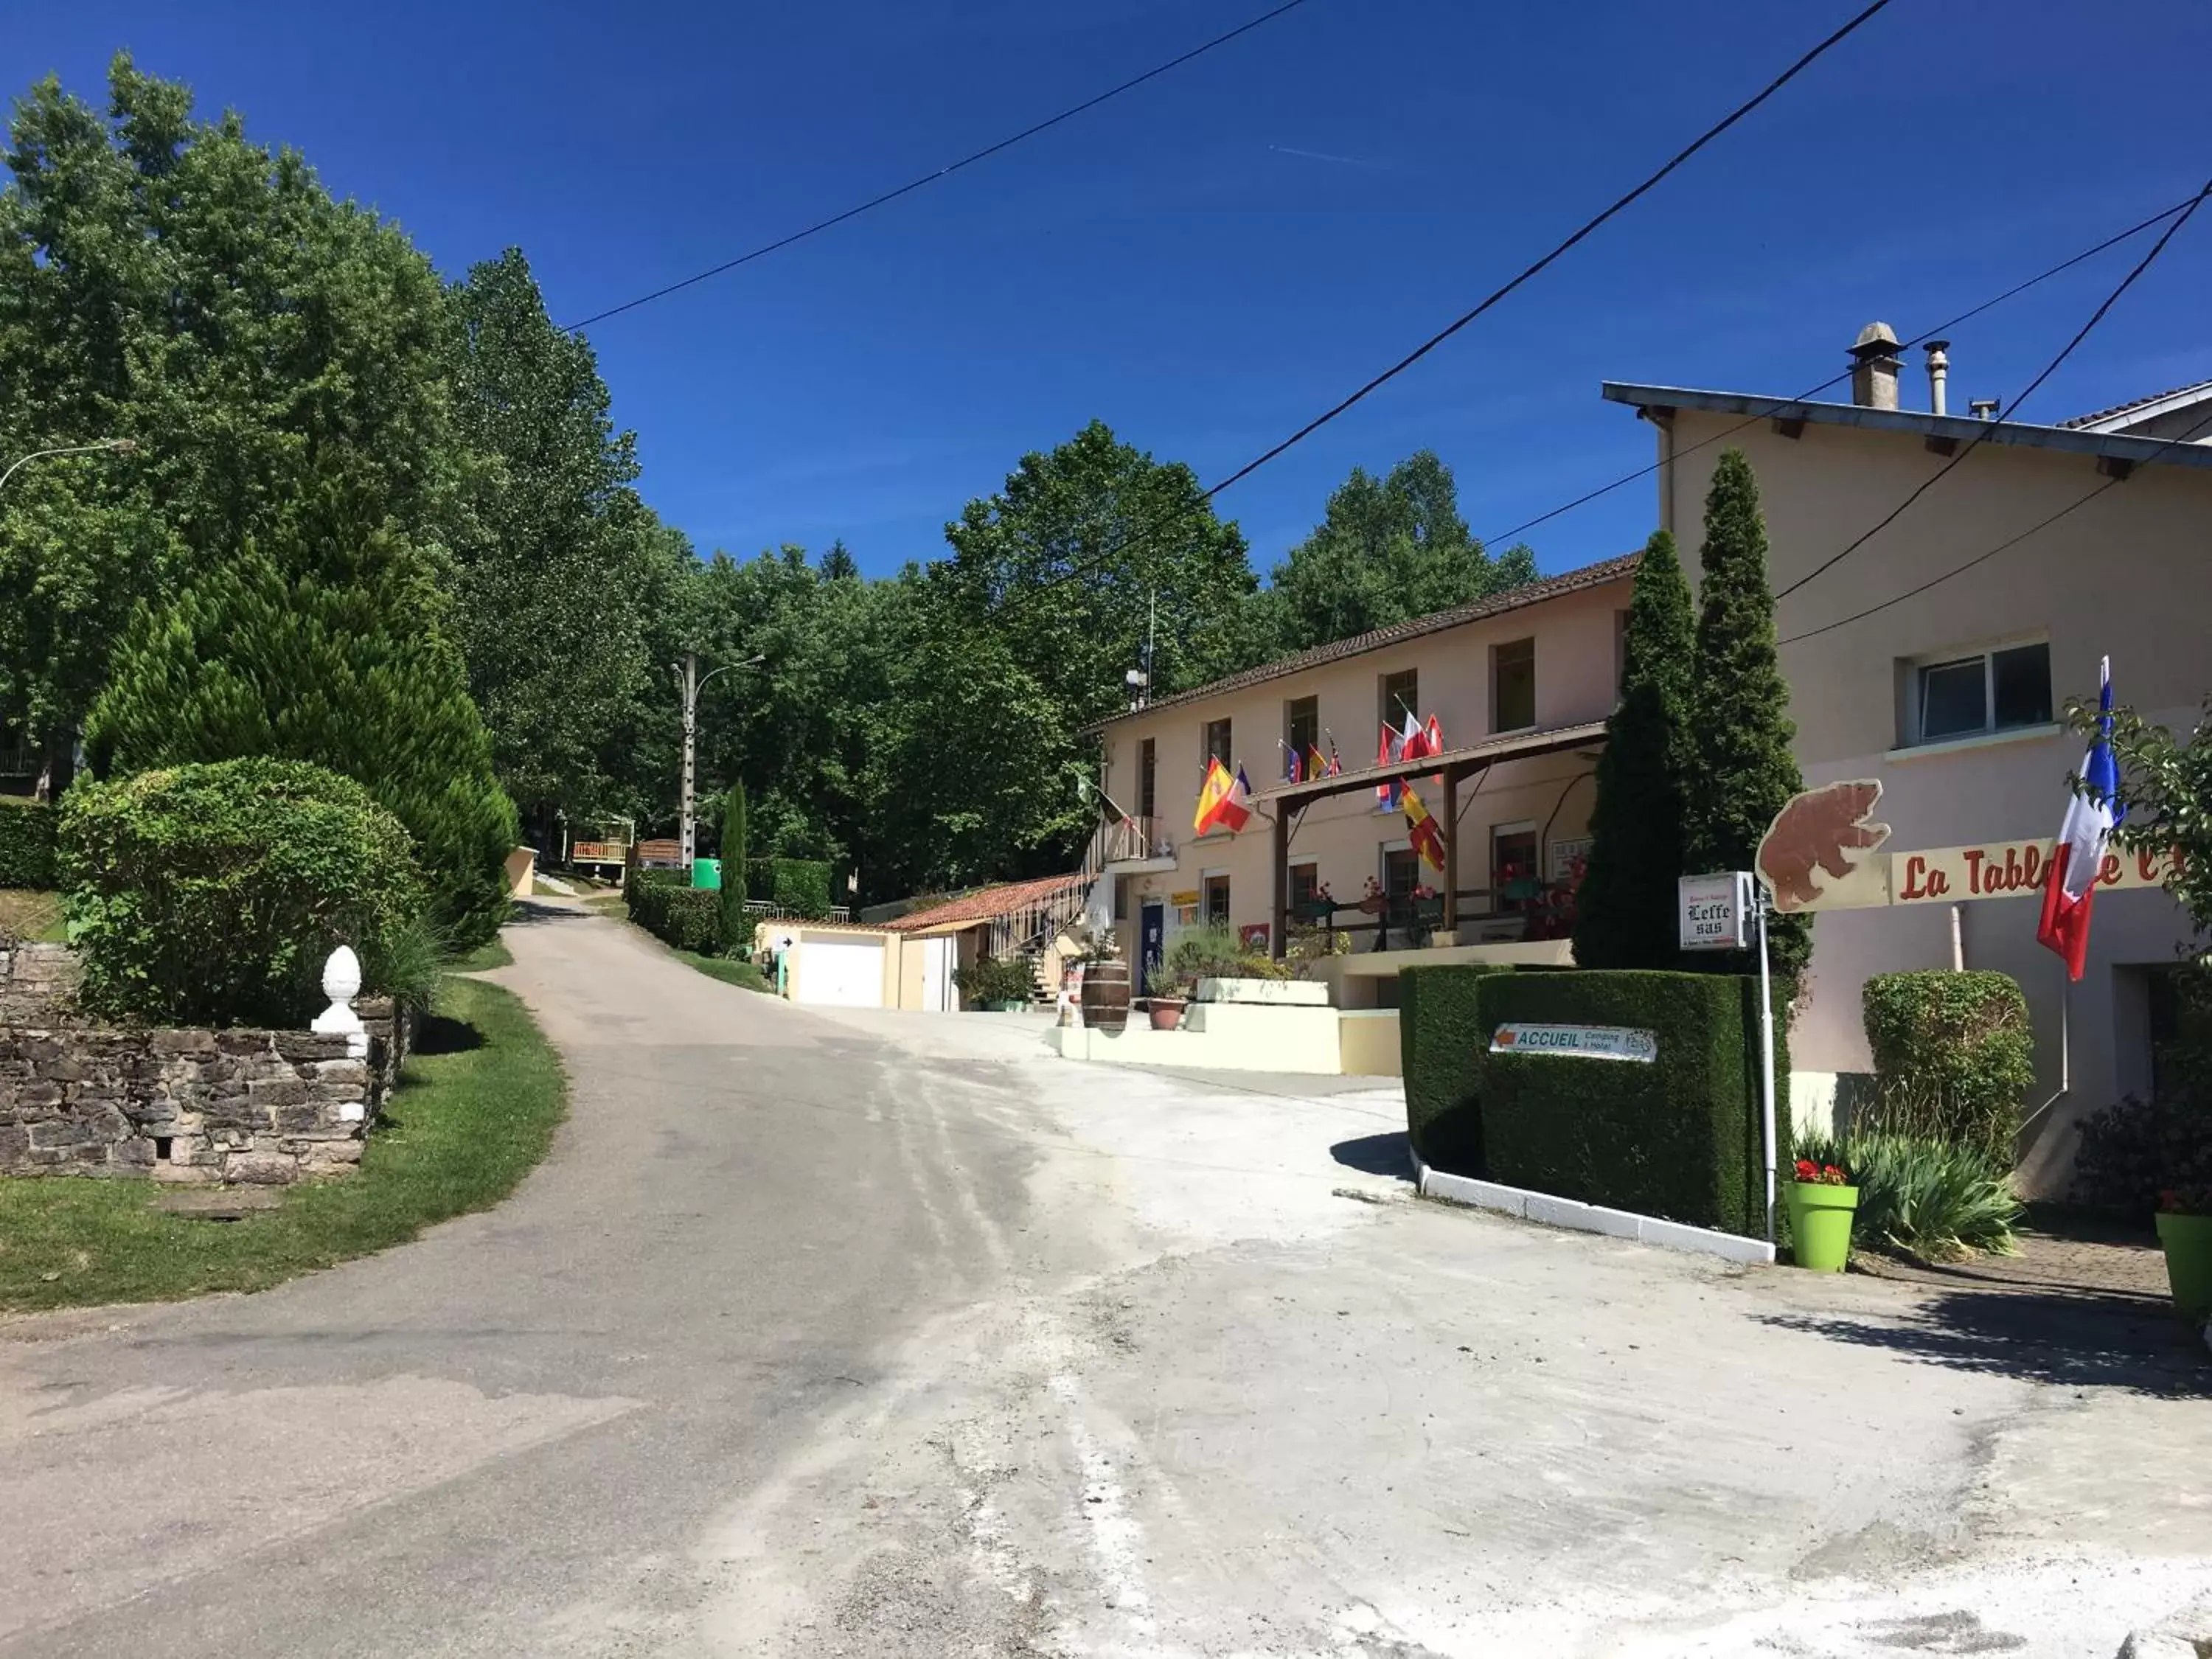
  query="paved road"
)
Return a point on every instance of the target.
[{"x": 893, "y": 1335}]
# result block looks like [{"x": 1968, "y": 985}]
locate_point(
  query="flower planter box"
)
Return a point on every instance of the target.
[
  {"x": 1296, "y": 992},
  {"x": 2188, "y": 1242},
  {"x": 1821, "y": 1223},
  {"x": 1315, "y": 910}
]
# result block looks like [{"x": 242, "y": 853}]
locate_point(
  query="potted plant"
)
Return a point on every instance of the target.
[
  {"x": 1167, "y": 995},
  {"x": 1319, "y": 906},
  {"x": 1428, "y": 904},
  {"x": 2185, "y": 1230},
  {"x": 1373, "y": 901},
  {"x": 998, "y": 984},
  {"x": 1821, "y": 1200}
]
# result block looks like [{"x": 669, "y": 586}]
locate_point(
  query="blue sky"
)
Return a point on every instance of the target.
[{"x": 1207, "y": 262}]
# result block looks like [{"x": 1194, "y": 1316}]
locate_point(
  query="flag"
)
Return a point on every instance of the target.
[
  {"x": 1412, "y": 742},
  {"x": 1221, "y": 799},
  {"x": 2071, "y": 884},
  {"x": 1316, "y": 766},
  {"x": 1433, "y": 735},
  {"x": 1293, "y": 765},
  {"x": 1421, "y": 829},
  {"x": 1386, "y": 750},
  {"x": 1336, "y": 763}
]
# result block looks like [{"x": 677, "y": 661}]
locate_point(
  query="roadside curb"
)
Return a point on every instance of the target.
[{"x": 1542, "y": 1207}]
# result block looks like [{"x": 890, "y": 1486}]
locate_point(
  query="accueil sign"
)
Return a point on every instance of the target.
[{"x": 1824, "y": 853}]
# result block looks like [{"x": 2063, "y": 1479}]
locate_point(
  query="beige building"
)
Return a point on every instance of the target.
[
  {"x": 1938, "y": 657},
  {"x": 1519, "y": 686}
]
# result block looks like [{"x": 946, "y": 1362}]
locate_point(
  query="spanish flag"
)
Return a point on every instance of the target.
[
  {"x": 1221, "y": 799},
  {"x": 1421, "y": 829}
]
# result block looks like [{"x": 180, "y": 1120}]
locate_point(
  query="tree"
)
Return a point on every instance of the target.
[
  {"x": 2166, "y": 786},
  {"x": 1387, "y": 549},
  {"x": 164, "y": 280},
  {"x": 1624, "y": 909},
  {"x": 735, "y": 861},
  {"x": 1743, "y": 770},
  {"x": 550, "y": 544},
  {"x": 313, "y": 645}
]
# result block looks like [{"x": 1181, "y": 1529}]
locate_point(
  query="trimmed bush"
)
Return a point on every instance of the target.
[
  {"x": 27, "y": 844},
  {"x": 1678, "y": 1137},
  {"x": 212, "y": 895},
  {"x": 684, "y": 917},
  {"x": 1442, "y": 1042},
  {"x": 801, "y": 886},
  {"x": 1954, "y": 1054}
]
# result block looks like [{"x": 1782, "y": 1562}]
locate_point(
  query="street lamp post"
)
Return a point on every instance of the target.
[
  {"x": 687, "y": 836},
  {"x": 102, "y": 446}
]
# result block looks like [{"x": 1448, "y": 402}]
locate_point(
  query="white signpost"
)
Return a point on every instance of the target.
[{"x": 1719, "y": 913}]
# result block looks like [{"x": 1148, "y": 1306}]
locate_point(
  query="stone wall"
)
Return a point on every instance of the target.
[{"x": 194, "y": 1105}]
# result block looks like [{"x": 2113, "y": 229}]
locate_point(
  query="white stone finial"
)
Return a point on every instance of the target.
[{"x": 341, "y": 984}]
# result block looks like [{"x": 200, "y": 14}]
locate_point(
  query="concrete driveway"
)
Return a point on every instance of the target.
[{"x": 891, "y": 1334}]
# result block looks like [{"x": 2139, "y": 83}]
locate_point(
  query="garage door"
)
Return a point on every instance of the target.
[{"x": 844, "y": 973}]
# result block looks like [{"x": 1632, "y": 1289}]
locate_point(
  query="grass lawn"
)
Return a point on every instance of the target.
[
  {"x": 492, "y": 953},
  {"x": 29, "y": 913},
  {"x": 727, "y": 969},
  {"x": 474, "y": 1112}
]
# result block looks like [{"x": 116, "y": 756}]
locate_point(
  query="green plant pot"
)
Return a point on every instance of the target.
[
  {"x": 2188, "y": 1242},
  {"x": 1820, "y": 1224}
]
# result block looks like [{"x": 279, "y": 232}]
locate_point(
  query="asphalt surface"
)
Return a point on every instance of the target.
[{"x": 882, "y": 1334}]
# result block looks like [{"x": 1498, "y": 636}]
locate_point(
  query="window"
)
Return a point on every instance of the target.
[
  {"x": 1217, "y": 745},
  {"x": 1300, "y": 730},
  {"x": 1213, "y": 895},
  {"x": 1514, "y": 881},
  {"x": 1305, "y": 881},
  {"x": 1991, "y": 691},
  {"x": 1402, "y": 696},
  {"x": 1402, "y": 873},
  {"x": 1148, "y": 798},
  {"x": 1513, "y": 685}
]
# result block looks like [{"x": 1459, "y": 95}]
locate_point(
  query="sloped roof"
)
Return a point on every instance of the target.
[
  {"x": 1415, "y": 628},
  {"x": 984, "y": 904},
  {"x": 2098, "y": 417}
]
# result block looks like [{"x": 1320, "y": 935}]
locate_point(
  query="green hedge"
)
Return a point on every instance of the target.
[
  {"x": 1954, "y": 1054},
  {"x": 801, "y": 886},
  {"x": 212, "y": 895},
  {"x": 1678, "y": 1137},
  {"x": 27, "y": 844},
  {"x": 1441, "y": 1043},
  {"x": 686, "y": 917}
]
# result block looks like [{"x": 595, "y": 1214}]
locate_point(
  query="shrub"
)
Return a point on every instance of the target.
[
  {"x": 323, "y": 643},
  {"x": 27, "y": 844},
  {"x": 1215, "y": 952},
  {"x": 995, "y": 979},
  {"x": 1678, "y": 1137},
  {"x": 683, "y": 917},
  {"x": 1930, "y": 1199},
  {"x": 1954, "y": 1055},
  {"x": 733, "y": 893},
  {"x": 1440, "y": 1043},
  {"x": 801, "y": 886},
  {"x": 2134, "y": 1151},
  {"x": 212, "y": 895}
]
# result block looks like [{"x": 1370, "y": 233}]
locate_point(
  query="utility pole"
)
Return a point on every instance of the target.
[{"x": 688, "y": 679}]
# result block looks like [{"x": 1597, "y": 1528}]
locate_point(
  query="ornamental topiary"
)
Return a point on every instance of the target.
[
  {"x": 1954, "y": 1056},
  {"x": 213, "y": 895}
]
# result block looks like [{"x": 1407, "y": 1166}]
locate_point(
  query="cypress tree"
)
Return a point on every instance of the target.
[
  {"x": 1624, "y": 909},
  {"x": 1742, "y": 767},
  {"x": 735, "y": 932},
  {"x": 324, "y": 644}
]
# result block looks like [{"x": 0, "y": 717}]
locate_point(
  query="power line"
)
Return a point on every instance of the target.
[
  {"x": 1583, "y": 232},
  {"x": 2041, "y": 525},
  {"x": 1781, "y": 404},
  {"x": 1997, "y": 420},
  {"x": 913, "y": 185}
]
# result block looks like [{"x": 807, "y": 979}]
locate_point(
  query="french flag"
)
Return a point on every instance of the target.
[{"x": 2070, "y": 885}]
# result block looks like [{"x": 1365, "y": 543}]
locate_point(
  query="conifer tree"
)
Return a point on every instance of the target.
[
  {"x": 1743, "y": 770},
  {"x": 1624, "y": 907},
  {"x": 735, "y": 932}
]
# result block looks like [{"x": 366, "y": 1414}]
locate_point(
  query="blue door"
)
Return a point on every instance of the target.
[{"x": 1151, "y": 940}]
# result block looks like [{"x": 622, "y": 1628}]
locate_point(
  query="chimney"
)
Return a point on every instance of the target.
[
  {"x": 1985, "y": 408},
  {"x": 1873, "y": 367},
  {"x": 1939, "y": 371}
]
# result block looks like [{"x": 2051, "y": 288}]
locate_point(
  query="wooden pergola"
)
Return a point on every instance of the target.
[{"x": 1288, "y": 801}]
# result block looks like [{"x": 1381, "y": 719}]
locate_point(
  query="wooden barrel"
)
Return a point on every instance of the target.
[{"x": 1106, "y": 994}]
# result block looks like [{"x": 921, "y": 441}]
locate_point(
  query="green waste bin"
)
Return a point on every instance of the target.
[{"x": 707, "y": 874}]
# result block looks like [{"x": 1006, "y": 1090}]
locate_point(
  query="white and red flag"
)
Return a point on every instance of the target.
[{"x": 2069, "y": 886}]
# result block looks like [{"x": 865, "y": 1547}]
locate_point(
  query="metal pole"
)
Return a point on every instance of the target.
[
  {"x": 1766, "y": 1053},
  {"x": 686, "y": 835}
]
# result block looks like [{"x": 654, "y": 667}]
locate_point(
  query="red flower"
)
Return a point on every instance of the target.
[{"x": 1805, "y": 1170}]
